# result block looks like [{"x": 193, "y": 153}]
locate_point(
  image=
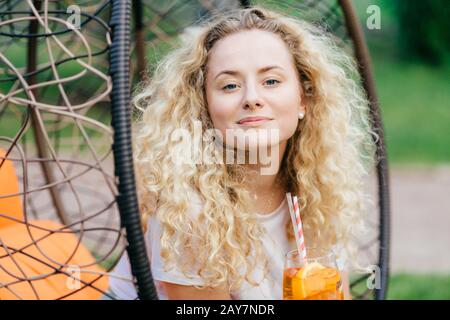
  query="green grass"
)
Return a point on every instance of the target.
[
  {"x": 416, "y": 111},
  {"x": 410, "y": 286},
  {"x": 419, "y": 287}
]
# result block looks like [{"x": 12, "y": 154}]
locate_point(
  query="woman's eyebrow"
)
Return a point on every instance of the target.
[{"x": 234, "y": 72}]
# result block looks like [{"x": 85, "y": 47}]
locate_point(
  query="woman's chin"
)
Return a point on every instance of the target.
[{"x": 257, "y": 147}]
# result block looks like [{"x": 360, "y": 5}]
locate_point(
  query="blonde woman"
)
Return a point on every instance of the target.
[{"x": 220, "y": 229}]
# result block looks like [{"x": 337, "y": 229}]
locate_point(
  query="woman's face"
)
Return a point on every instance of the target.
[{"x": 252, "y": 74}]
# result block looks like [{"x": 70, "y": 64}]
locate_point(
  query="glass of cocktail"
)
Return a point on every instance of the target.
[{"x": 316, "y": 277}]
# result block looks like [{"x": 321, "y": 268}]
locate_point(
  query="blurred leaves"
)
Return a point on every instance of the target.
[{"x": 424, "y": 30}]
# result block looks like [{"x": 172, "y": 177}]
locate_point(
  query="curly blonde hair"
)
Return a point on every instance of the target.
[{"x": 324, "y": 163}]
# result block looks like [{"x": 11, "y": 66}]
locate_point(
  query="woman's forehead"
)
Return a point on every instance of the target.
[{"x": 252, "y": 48}]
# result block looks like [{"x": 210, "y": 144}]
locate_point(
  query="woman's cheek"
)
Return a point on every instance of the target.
[
  {"x": 288, "y": 126},
  {"x": 223, "y": 112},
  {"x": 220, "y": 118}
]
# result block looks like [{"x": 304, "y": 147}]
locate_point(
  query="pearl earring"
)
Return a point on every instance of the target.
[{"x": 301, "y": 115}]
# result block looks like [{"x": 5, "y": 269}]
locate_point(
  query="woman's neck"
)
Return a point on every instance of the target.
[{"x": 268, "y": 189}]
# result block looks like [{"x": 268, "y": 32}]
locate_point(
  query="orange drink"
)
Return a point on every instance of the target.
[{"x": 316, "y": 278}]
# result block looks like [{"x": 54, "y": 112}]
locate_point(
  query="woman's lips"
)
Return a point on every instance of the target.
[{"x": 253, "y": 121}]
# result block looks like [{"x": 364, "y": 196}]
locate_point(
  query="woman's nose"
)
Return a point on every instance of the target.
[{"x": 252, "y": 98}]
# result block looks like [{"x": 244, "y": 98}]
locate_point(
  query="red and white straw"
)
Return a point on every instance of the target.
[{"x": 294, "y": 210}]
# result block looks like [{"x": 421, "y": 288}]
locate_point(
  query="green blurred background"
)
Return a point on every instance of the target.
[{"x": 411, "y": 61}]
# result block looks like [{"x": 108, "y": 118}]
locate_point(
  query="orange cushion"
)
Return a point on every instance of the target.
[
  {"x": 57, "y": 246},
  {"x": 10, "y": 206}
]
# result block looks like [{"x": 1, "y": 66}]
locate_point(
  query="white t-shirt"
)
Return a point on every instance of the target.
[{"x": 275, "y": 245}]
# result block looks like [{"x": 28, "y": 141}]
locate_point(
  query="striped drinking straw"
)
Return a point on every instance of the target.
[{"x": 297, "y": 224}]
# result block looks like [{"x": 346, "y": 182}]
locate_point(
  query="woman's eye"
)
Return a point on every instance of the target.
[
  {"x": 230, "y": 86},
  {"x": 271, "y": 82}
]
